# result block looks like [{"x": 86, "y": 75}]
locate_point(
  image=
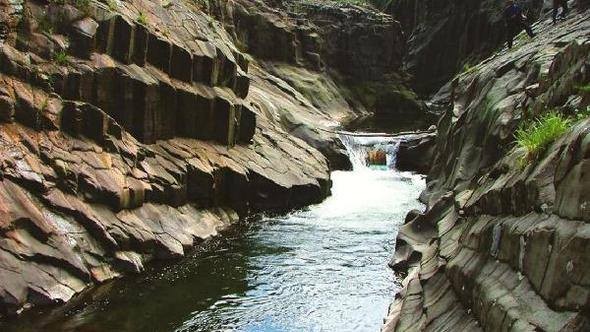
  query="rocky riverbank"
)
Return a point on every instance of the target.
[
  {"x": 132, "y": 131},
  {"x": 503, "y": 244}
]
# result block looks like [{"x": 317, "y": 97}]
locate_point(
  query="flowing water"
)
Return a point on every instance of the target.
[{"x": 323, "y": 268}]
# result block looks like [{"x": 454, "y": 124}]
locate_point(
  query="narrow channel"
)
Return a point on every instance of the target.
[{"x": 323, "y": 268}]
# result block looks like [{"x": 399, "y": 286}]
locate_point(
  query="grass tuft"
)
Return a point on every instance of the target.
[
  {"x": 83, "y": 5},
  {"x": 112, "y": 4},
  {"x": 61, "y": 58},
  {"x": 535, "y": 136},
  {"x": 142, "y": 18}
]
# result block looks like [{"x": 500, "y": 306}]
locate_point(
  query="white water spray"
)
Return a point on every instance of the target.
[{"x": 358, "y": 148}]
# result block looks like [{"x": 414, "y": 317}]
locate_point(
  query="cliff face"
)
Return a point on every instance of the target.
[
  {"x": 504, "y": 242},
  {"x": 132, "y": 131},
  {"x": 445, "y": 35},
  {"x": 362, "y": 50}
]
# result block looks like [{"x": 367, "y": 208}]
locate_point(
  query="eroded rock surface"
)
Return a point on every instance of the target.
[
  {"x": 503, "y": 243},
  {"x": 361, "y": 48},
  {"x": 416, "y": 152},
  {"x": 132, "y": 131},
  {"x": 443, "y": 36}
]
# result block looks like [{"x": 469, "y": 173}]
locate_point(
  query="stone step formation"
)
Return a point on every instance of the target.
[
  {"x": 123, "y": 142},
  {"x": 503, "y": 243},
  {"x": 154, "y": 87}
]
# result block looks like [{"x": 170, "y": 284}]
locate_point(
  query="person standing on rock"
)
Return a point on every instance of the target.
[
  {"x": 564, "y": 9},
  {"x": 515, "y": 22}
]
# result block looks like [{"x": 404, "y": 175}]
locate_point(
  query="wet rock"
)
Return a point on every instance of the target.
[
  {"x": 412, "y": 215},
  {"x": 364, "y": 45},
  {"x": 159, "y": 133},
  {"x": 416, "y": 153}
]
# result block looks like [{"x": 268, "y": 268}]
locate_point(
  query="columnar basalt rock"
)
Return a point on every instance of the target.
[
  {"x": 416, "y": 152},
  {"x": 72, "y": 161},
  {"x": 133, "y": 140},
  {"x": 446, "y": 36},
  {"x": 502, "y": 245},
  {"x": 154, "y": 69},
  {"x": 356, "y": 48}
]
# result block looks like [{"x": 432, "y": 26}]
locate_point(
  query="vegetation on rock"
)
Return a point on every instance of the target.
[
  {"x": 142, "y": 18},
  {"x": 535, "y": 136},
  {"x": 61, "y": 58},
  {"x": 45, "y": 24}
]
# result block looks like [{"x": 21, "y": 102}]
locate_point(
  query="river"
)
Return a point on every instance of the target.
[{"x": 322, "y": 268}]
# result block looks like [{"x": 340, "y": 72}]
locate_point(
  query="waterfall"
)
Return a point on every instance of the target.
[{"x": 358, "y": 148}]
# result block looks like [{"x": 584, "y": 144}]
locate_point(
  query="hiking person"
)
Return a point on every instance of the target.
[
  {"x": 564, "y": 9},
  {"x": 515, "y": 22}
]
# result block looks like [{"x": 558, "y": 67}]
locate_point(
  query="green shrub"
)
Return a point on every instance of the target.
[
  {"x": 535, "y": 136},
  {"x": 142, "y": 19},
  {"x": 468, "y": 68},
  {"x": 112, "y": 4},
  {"x": 61, "y": 58},
  {"x": 83, "y": 5}
]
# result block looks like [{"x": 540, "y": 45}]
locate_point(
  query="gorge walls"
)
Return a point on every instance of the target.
[
  {"x": 503, "y": 243},
  {"x": 443, "y": 36},
  {"x": 133, "y": 131}
]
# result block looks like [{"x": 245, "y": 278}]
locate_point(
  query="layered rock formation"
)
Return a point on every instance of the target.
[
  {"x": 362, "y": 49},
  {"x": 416, "y": 151},
  {"x": 443, "y": 36},
  {"x": 132, "y": 131},
  {"x": 503, "y": 243}
]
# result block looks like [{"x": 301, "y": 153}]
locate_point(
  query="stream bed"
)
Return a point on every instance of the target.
[{"x": 322, "y": 268}]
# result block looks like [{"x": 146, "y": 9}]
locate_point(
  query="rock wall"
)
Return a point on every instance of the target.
[
  {"x": 10, "y": 13},
  {"x": 445, "y": 35},
  {"x": 133, "y": 131},
  {"x": 357, "y": 42},
  {"x": 503, "y": 243},
  {"x": 361, "y": 48}
]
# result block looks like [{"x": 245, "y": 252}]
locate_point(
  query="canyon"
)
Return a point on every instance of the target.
[{"x": 136, "y": 131}]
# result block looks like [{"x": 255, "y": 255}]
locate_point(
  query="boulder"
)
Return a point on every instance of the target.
[
  {"x": 376, "y": 157},
  {"x": 82, "y": 37},
  {"x": 416, "y": 153}
]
